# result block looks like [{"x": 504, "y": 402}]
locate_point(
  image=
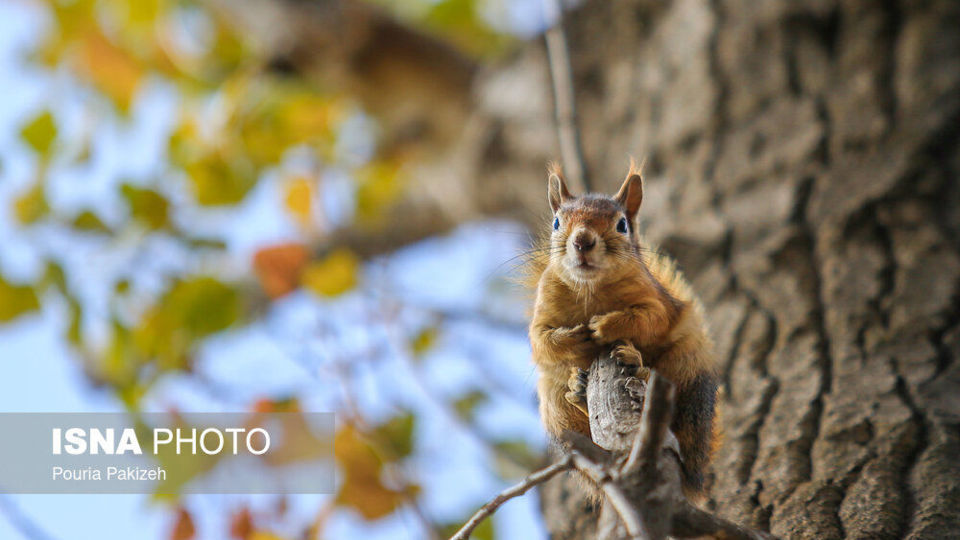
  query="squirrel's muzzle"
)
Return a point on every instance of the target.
[{"x": 584, "y": 241}]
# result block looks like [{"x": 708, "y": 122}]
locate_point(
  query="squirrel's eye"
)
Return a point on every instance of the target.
[
  {"x": 556, "y": 223},
  {"x": 622, "y": 225}
]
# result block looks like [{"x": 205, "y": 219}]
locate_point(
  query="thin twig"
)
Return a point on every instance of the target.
[
  {"x": 20, "y": 521},
  {"x": 564, "y": 103},
  {"x": 528, "y": 483},
  {"x": 614, "y": 495}
]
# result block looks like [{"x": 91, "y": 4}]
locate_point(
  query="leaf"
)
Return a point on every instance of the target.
[
  {"x": 424, "y": 340},
  {"x": 459, "y": 21},
  {"x": 241, "y": 524},
  {"x": 466, "y": 405},
  {"x": 397, "y": 435},
  {"x": 16, "y": 300},
  {"x": 278, "y": 268},
  {"x": 31, "y": 205},
  {"x": 484, "y": 530},
  {"x": 298, "y": 199},
  {"x": 111, "y": 69},
  {"x": 183, "y": 528},
  {"x": 54, "y": 276},
  {"x": 90, "y": 222},
  {"x": 378, "y": 185},
  {"x": 218, "y": 183},
  {"x": 146, "y": 206},
  {"x": 519, "y": 451},
  {"x": 190, "y": 310},
  {"x": 333, "y": 275},
  {"x": 265, "y": 535},
  {"x": 40, "y": 132},
  {"x": 362, "y": 488},
  {"x": 268, "y": 405}
]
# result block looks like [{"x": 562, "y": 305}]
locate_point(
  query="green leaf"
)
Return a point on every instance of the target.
[
  {"x": 484, "y": 531},
  {"x": 191, "y": 310},
  {"x": 218, "y": 183},
  {"x": 519, "y": 452},
  {"x": 459, "y": 21},
  {"x": 40, "y": 132},
  {"x": 146, "y": 206},
  {"x": 16, "y": 300},
  {"x": 397, "y": 435},
  {"x": 203, "y": 305},
  {"x": 466, "y": 405}
]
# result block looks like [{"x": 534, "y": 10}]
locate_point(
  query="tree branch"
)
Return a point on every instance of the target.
[
  {"x": 649, "y": 476},
  {"x": 20, "y": 521},
  {"x": 639, "y": 470},
  {"x": 564, "y": 102},
  {"x": 533, "y": 479}
]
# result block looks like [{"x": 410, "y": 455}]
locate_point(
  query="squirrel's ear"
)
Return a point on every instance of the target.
[
  {"x": 631, "y": 192},
  {"x": 557, "y": 192}
]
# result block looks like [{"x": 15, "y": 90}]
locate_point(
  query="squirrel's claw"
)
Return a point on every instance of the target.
[
  {"x": 627, "y": 354},
  {"x": 577, "y": 383},
  {"x": 601, "y": 327}
]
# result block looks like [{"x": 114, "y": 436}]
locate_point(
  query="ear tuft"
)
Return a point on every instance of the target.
[
  {"x": 557, "y": 192},
  {"x": 631, "y": 192}
]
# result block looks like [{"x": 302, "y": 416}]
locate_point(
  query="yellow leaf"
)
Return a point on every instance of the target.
[
  {"x": 89, "y": 221},
  {"x": 424, "y": 339},
  {"x": 362, "y": 488},
  {"x": 16, "y": 300},
  {"x": 298, "y": 199},
  {"x": 334, "y": 275},
  {"x": 31, "y": 205},
  {"x": 111, "y": 69},
  {"x": 264, "y": 535},
  {"x": 40, "y": 132},
  {"x": 378, "y": 185}
]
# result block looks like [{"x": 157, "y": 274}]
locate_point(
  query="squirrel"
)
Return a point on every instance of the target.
[{"x": 599, "y": 288}]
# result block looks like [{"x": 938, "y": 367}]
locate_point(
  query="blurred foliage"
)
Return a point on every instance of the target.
[{"x": 237, "y": 125}]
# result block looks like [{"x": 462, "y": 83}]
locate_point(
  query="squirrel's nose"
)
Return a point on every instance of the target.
[{"x": 584, "y": 242}]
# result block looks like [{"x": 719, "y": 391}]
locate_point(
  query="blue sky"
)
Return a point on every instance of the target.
[{"x": 278, "y": 356}]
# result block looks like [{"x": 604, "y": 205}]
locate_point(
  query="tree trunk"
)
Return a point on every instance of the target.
[{"x": 802, "y": 164}]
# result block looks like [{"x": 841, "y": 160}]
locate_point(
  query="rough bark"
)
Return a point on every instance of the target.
[
  {"x": 802, "y": 165},
  {"x": 803, "y": 168}
]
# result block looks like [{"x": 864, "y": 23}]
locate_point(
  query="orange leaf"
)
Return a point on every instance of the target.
[
  {"x": 183, "y": 529},
  {"x": 241, "y": 524},
  {"x": 278, "y": 268},
  {"x": 109, "y": 68}
]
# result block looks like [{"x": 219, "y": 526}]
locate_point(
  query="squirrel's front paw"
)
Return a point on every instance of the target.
[
  {"x": 627, "y": 354},
  {"x": 605, "y": 328},
  {"x": 577, "y": 341},
  {"x": 577, "y": 383}
]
